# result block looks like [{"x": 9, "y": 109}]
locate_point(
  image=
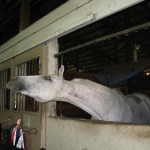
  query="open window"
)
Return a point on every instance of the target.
[
  {"x": 140, "y": 83},
  {"x": 4, "y": 92},
  {"x": 107, "y": 48}
]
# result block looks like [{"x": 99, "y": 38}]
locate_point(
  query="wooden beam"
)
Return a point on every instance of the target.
[
  {"x": 63, "y": 20},
  {"x": 24, "y": 15}
]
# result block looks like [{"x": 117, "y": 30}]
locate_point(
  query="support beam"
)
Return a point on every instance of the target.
[
  {"x": 52, "y": 68},
  {"x": 24, "y": 16},
  {"x": 74, "y": 14}
]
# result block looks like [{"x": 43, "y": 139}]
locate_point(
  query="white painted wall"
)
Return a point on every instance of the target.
[{"x": 66, "y": 134}]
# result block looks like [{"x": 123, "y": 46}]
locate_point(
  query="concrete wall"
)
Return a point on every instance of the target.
[{"x": 67, "y": 134}]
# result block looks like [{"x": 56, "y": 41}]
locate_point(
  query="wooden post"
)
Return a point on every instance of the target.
[{"x": 24, "y": 14}]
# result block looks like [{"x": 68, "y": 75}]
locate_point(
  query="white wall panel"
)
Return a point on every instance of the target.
[{"x": 66, "y": 134}]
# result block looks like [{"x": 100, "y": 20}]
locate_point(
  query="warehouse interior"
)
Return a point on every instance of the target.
[{"x": 112, "y": 50}]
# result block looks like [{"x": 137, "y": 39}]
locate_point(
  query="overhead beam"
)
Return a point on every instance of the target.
[{"x": 72, "y": 15}]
